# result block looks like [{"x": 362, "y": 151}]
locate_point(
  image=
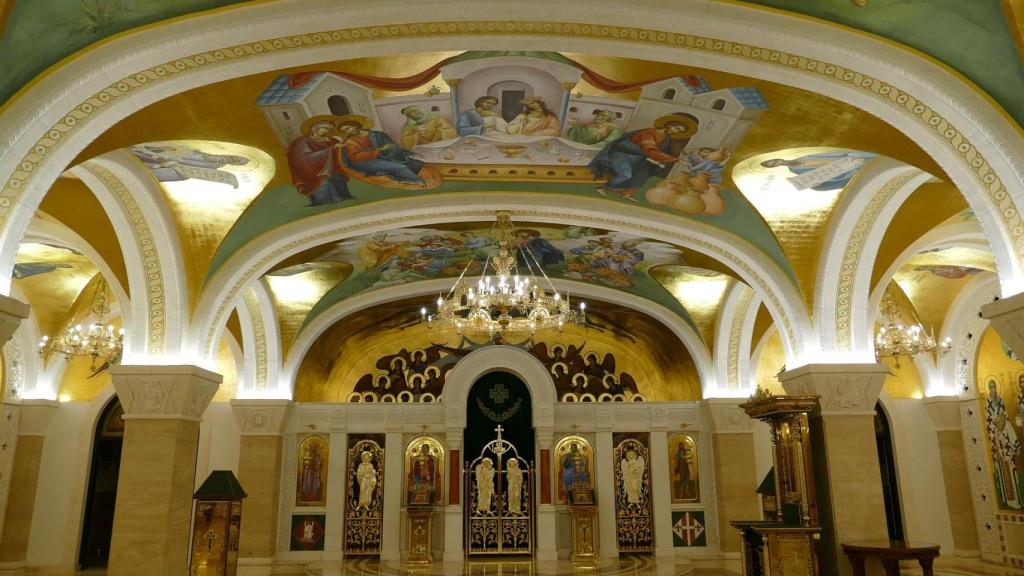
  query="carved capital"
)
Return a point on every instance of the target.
[
  {"x": 843, "y": 389},
  {"x": 945, "y": 411},
  {"x": 181, "y": 392},
  {"x": 659, "y": 417},
  {"x": 1007, "y": 317},
  {"x": 12, "y": 312},
  {"x": 726, "y": 416},
  {"x": 605, "y": 418},
  {"x": 35, "y": 416},
  {"x": 261, "y": 417}
]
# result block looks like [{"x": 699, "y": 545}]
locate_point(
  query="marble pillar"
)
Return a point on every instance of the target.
[
  {"x": 547, "y": 536},
  {"x": 732, "y": 445},
  {"x": 391, "y": 533},
  {"x": 453, "y": 511},
  {"x": 604, "y": 468},
  {"x": 337, "y": 491},
  {"x": 12, "y": 312},
  {"x": 1007, "y": 317},
  {"x": 34, "y": 418},
  {"x": 847, "y": 476},
  {"x": 945, "y": 414},
  {"x": 261, "y": 423},
  {"x": 661, "y": 494},
  {"x": 162, "y": 409}
]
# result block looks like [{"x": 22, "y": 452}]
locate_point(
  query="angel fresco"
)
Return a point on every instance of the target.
[
  {"x": 632, "y": 469},
  {"x": 174, "y": 163},
  {"x": 845, "y": 166}
]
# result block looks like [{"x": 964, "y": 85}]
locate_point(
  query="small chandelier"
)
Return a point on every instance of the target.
[
  {"x": 894, "y": 340},
  {"x": 509, "y": 302},
  {"x": 95, "y": 340}
]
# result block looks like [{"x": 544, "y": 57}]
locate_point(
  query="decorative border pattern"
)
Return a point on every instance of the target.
[
  {"x": 954, "y": 138},
  {"x": 852, "y": 255},
  {"x": 157, "y": 303},
  {"x": 706, "y": 246},
  {"x": 252, "y": 305},
  {"x": 740, "y": 312}
]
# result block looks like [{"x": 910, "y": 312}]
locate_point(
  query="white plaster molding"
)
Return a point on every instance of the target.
[
  {"x": 692, "y": 341},
  {"x": 264, "y": 417},
  {"x": 843, "y": 389},
  {"x": 730, "y": 358},
  {"x": 944, "y": 412},
  {"x": 726, "y": 417},
  {"x": 179, "y": 392},
  {"x": 35, "y": 417}
]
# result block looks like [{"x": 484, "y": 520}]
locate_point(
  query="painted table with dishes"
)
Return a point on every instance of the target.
[{"x": 531, "y": 158}]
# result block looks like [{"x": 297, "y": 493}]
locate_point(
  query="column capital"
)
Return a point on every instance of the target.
[
  {"x": 164, "y": 392},
  {"x": 844, "y": 389},
  {"x": 35, "y": 415},
  {"x": 726, "y": 416},
  {"x": 258, "y": 417},
  {"x": 944, "y": 411},
  {"x": 12, "y": 312},
  {"x": 1007, "y": 317}
]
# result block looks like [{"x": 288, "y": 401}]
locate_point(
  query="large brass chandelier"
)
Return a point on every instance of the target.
[
  {"x": 505, "y": 301},
  {"x": 95, "y": 340},
  {"x": 895, "y": 340}
]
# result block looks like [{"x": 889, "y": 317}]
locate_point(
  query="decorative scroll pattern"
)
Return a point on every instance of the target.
[
  {"x": 365, "y": 503},
  {"x": 499, "y": 513},
  {"x": 634, "y": 522},
  {"x": 259, "y": 331}
]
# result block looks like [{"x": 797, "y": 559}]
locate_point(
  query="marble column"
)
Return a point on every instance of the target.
[
  {"x": 604, "y": 468},
  {"x": 394, "y": 452},
  {"x": 12, "y": 312},
  {"x": 732, "y": 445},
  {"x": 547, "y": 536},
  {"x": 945, "y": 414},
  {"x": 1007, "y": 317},
  {"x": 337, "y": 469},
  {"x": 847, "y": 476},
  {"x": 34, "y": 419},
  {"x": 453, "y": 510},
  {"x": 162, "y": 409},
  {"x": 261, "y": 423},
  {"x": 661, "y": 493}
]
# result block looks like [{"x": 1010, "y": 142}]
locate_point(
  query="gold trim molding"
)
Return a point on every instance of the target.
[{"x": 252, "y": 306}]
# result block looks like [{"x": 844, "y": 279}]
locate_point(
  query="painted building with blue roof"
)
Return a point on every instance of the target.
[{"x": 287, "y": 105}]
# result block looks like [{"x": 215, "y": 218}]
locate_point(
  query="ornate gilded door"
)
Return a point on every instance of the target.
[
  {"x": 634, "y": 524},
  {"x": 364, "y": 503},
  {"x": 499, "y": 498}
]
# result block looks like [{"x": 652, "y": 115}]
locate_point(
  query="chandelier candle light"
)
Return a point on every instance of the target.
[
  {"x": 96, "y": 340},
  {"x": 894, "y": 340},
  {"x": 509, "y": 302}
]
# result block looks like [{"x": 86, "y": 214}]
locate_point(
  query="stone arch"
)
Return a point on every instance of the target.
[{"x": 309, "y": 334}]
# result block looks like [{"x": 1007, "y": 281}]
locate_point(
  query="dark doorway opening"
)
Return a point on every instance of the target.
[
  {"x": 338, "y": 105},
  {"x": 499, "y": 398},
  {"x": 510, "y": 106},
  {"x": 102, "y": 493},
  {"x": 890, "y": 482}
]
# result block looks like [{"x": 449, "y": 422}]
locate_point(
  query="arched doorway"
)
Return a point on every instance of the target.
[
  {"x": 499, "y": 463},
  {"x": 102, "y": 492},
  {"x": 890, "y": 481}
]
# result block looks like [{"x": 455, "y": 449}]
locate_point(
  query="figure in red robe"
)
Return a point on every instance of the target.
[{"x": 315, "y": 163}]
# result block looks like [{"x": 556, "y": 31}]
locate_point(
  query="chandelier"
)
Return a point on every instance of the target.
[
  {"x": 505, "y": 301},
  {"x": 95, "y": 340},
  {"x": 895, "y": 340}
]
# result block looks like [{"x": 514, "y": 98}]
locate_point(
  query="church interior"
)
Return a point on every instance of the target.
[{"x": 588, "y": 287}]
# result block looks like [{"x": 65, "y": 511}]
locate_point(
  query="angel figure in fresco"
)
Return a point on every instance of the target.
[
  {"x": 312, "y": 474},
  {"x": 315, "y": 165},
  {"x": 536, "y": 119},
  {"x": 598, "y": 132},
  {"x": 366, "y": 475},
  {"x": 172, "y": 163},
  {"x": 1005, "y": 446},
  {"x": 514, "y": 474},
  {"x": 424, "y": 127},
  {"x": 484, "y": 484},
  {"x": 482, "y": 119},
  {"x": 810, "y": 162},
  {"x": 633, "y": 468}
]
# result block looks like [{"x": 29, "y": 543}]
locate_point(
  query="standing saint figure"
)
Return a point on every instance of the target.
[
  {"x": 1005, "y": 445},
  {"x": 311, "y": 474},
  {"x": 683, "y": 484},
  {"x": 315, "y": 164},
  {"x": 632, "y": 158},
  {"x": 484, "y": 484},
  {"x": 514, "y": 474},
  {"x": 633, "y": 467},
  {"x": 575, "y": 469},
  {"x": 424, "y": 467},
  {"x": 536, "y": 119},
  {"x": 366, "y": 475},
  {"x": 424, "y": 127}
]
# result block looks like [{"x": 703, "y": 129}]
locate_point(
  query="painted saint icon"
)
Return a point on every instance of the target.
[
  {"x": 574, "y": 455},
  {"x": 424, "y": 462},
  {"x": 311, "y": 488},
  {"x": 682, "y": 453}
]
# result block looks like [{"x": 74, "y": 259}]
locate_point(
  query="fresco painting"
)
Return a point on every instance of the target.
[
  {"x": 1003, "y": 404},
  {"x": 405, "y": 255}
]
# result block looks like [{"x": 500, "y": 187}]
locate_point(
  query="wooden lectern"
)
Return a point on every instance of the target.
[{"x": 785, "y": 543}]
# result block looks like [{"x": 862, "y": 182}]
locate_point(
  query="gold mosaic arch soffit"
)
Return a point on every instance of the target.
[{"x": 207, "y": 341}]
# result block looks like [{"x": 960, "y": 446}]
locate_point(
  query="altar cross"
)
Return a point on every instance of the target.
[{"x": 499, "y": 430}]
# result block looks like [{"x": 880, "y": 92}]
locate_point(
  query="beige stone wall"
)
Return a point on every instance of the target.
[
  {"x": 24, "y": 478},
  {"x": 735, "y": 484},
  {"x": 259, "y": 470},
  {"x": 958, "y": 490}
]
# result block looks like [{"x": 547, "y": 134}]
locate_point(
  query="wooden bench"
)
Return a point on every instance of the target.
[{"x": 890, "y": 552}]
